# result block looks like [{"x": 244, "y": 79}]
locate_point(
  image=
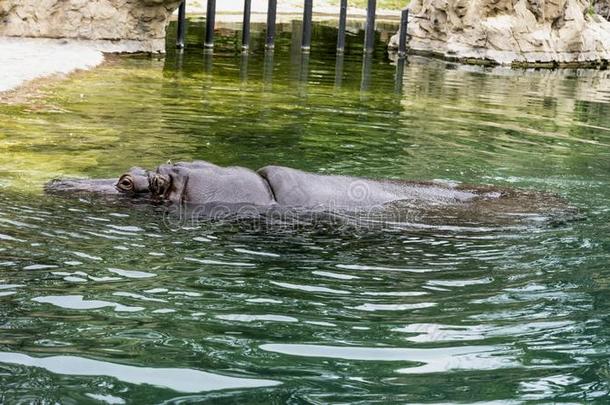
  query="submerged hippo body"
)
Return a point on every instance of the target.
[{"x": 200, "y": 183}]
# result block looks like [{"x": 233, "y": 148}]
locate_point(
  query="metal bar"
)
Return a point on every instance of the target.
[
  {"x": 245, "y": 35},
  {"x": 342, "y": 25},
  {"x": 307, "y": 17},
  {"x": 402, "y": 39},
  {"x": 181, "y": 25},
  {"x": 369, "y": 35},
  {"x": 271, "y": 15},
  {"x": 210, "y": 22}
]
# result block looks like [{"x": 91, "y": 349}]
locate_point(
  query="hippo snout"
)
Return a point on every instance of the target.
[{"x": 85, "y": 186}]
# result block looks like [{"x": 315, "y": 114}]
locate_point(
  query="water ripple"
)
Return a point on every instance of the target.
[
  {"x": 78, "y": 302},
  {"x": 177, "y": 379},
  {"x": 432, "y": 360}
]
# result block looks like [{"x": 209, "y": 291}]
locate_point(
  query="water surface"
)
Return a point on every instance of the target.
[{"x": 107, "y": 303}]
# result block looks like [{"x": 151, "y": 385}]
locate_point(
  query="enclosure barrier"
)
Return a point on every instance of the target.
[
  {"x": 181, "y": 25},
  {"x": 307, "y": 22},
  {"x": 369, "y": 33},
  {"x": 271, "y": 16},
  {"x": 402, "y": 33},
  {"x": 369, "y": 36},
  {"x": 210, "y": 22},
  {"x": 342, "y": 26},
  {"x": 245, "y": 35}
]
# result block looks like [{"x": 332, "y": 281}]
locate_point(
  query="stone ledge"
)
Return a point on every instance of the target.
[
  {"x": 562, "y": 34},
  {"x": 115, "y": 25}
]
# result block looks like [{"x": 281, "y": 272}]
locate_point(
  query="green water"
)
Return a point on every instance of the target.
[{"x": 105, "y": 303}]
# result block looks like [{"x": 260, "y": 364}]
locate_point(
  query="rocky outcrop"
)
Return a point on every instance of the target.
[
  {"x": 510, "y": 32},
  {"x": 602, "y": 7},
  {"x": 111, "y": 25}
]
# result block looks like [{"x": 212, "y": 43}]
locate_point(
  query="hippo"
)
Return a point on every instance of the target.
[{"x": 200, "y": 183}]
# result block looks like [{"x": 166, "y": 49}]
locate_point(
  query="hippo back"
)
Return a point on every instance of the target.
[{"x": 293, "y": 187}]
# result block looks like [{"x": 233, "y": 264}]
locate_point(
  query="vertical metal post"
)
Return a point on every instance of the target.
[
  {"x": 210, "y": 22},
  {"x": 402, "y": 39},
  {"x": 181, "y": 25},
  {"x": 271, "y": 15},
  {"x": 307, "y": 17},
  {"x": 245, "y": 34},
  {"x": 342, "y": 24},
  {"x": 369, "y": 34}
]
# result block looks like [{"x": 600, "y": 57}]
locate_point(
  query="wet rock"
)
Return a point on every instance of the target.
[
  {"x": 110, "y": 25},
  {"x": 511, "y": 32}
]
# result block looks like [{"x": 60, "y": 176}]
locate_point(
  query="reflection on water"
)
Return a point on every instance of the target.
[
  {"x": 103, "y": 301},
  {"x": 180, "y": 380},
  {"x": 434, "y": 360}
]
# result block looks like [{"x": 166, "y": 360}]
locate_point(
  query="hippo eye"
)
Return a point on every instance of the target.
[{"x": 125, "y": 184}]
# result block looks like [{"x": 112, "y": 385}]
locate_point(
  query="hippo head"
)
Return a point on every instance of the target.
[
  {"x": 192, "y": 183},
  {"x": 133, "y": 183}
]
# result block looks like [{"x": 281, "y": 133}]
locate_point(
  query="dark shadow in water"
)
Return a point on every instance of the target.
[
  {"x": 268, "y": 70},
  {"x": 367, "y": 67},
  {"x": 339, "y": 70},
  {"x": 400, "y": 72},
  {"x": 208, "y": 60},
  {"x": 179, "y": 59},
  {"x": 243, "y": 67},
  {"x": 304, "y": 74},
  {"x": 295, "y": 49}
]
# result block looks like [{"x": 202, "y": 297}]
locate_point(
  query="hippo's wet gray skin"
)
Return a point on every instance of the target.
[{"x": 201, "y": 183}]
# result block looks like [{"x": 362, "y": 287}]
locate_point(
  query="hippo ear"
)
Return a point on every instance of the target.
[{"x": 169, "y": 161}]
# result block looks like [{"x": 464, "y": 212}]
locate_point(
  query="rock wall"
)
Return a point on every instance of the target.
[
  {"x": 510, "y": 32},
  {"x": 111, "y": 25},
  {"x": 602, "y": 7}
]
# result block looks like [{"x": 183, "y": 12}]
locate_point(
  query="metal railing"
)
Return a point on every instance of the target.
[{"x": 369, "y": 36}]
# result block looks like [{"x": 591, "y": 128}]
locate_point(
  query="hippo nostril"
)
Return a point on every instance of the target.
[{"x": 159, "y": 185}]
